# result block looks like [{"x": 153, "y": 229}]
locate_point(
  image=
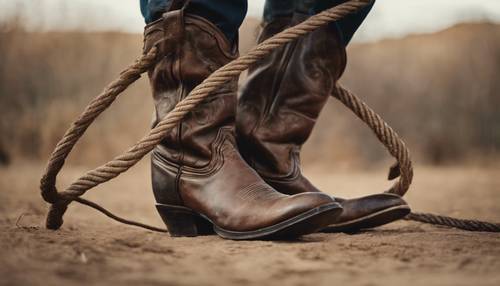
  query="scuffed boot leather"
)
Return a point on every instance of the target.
[
  {"x": 278, "y": 107},
  {"x": 200, "y": 181}
]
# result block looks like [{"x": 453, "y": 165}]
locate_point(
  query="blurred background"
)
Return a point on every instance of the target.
[{"x": 430, "y": 68}]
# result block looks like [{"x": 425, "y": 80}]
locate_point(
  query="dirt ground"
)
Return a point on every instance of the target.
[{"x": 92, "y": 250}]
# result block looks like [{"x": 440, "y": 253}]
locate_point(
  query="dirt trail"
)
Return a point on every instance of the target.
[{"x": 91, "y": 249}]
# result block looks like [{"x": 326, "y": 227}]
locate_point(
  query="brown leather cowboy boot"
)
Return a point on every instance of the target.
[
  {"x": 200, "y": 181},
  {"x": 278, "y": 107}
]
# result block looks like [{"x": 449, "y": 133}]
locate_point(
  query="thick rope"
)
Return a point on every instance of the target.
[
  {"x": 60, "y": 200},
  {"x": 385, "y": 134},
  {"x": 464, "y": 224}
]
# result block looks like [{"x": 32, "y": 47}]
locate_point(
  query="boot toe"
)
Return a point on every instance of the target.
[
  {"x": 304, "y": 202},
  {"x": 364, "y": 206},
  {"x": 369, "y": 212}
]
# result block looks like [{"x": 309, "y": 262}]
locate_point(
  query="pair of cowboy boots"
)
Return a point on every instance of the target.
[{"x": 201, "y": 181}]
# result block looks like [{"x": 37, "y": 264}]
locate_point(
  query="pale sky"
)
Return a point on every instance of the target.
[{"x": 389, "y": 18}]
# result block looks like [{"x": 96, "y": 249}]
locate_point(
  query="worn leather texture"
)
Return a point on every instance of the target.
[
  {"x": 282, "y": 99},
  {"x": 357, "y": 208},
  {"x": 198, "y": 164},
  {"x": 280, "y": 103}
]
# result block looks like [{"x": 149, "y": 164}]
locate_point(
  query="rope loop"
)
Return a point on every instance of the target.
[{"x": 60, "y": 200}]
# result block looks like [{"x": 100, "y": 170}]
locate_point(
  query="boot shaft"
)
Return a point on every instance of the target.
[
  {"x": 197, "y": 171},
  {"x": 190, "y": 49},
  {"x": 284, "y": 95}
]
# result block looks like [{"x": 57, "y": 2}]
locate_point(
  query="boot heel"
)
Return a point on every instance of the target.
[{"x": 181, "y": 221}]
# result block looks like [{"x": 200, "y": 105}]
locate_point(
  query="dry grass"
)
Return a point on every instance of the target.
[{"x": 439, "y": 91}]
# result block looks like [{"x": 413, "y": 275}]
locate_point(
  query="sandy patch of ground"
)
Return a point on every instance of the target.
[{"x": 91, "y": 249}]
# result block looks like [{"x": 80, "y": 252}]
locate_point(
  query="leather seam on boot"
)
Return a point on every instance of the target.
[
  {"x": 212, "y": 167},
  {"x": 278, "y": 81},
  {"x": 213, "y": 31},
  {"x": 293, "y": 175},
  {"x": 215, "y": 163}
]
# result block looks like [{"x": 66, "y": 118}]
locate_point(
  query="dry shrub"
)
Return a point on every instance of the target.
[
  {"x": 46, "y": 79},
  {"x": 439, "y": 91}
]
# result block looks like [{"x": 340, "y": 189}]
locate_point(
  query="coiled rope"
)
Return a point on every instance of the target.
[{"x": 60, "y": 200}]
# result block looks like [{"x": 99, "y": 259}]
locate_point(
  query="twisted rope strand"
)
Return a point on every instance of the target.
[
  {"x": 464, "y": 224},
  {"x": 386, "y": 135},
  {"x": 91, "y": 112},
  {"x": 60, "y": 200}
]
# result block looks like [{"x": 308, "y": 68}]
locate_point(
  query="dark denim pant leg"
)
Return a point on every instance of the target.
[
  {"x": 278, "y": 8},
  {"x": 347, "y": 25},
  {"x": 227, "y": 15}
]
